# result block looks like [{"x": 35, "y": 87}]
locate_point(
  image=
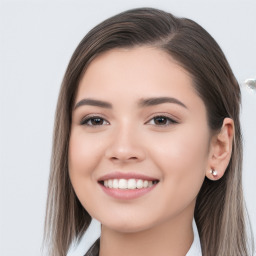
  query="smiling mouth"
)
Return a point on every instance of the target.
[{"x": 128, "y": 184}]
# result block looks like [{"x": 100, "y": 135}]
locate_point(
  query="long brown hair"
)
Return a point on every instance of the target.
[{"x": 220, "y": 212}]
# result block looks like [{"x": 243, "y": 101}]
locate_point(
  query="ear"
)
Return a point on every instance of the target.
[{"x": 220, "y": 150}]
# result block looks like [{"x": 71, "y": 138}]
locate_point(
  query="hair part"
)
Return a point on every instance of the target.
[{"x": 220, "y": 211}]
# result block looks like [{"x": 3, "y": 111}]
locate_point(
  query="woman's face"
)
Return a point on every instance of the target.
[{"x": 139, "y": 144}]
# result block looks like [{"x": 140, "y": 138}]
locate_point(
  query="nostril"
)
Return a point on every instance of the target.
[{"x": 124, "y": 158}]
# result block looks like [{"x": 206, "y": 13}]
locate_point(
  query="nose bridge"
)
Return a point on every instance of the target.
[{"x": 125, "y": 144}]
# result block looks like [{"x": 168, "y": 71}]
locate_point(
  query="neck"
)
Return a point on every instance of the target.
[{"x": 173, "y": 237}]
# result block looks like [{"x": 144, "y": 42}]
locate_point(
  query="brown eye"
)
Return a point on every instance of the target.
[
  {"x": 94, "y": 121},
  {"x": 162, "y": 121}
]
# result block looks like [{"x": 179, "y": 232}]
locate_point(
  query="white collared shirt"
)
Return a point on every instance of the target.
[{"x": 195, "y": 249}]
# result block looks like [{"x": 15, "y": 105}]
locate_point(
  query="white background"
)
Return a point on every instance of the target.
[{"x": 37, "y": 40}]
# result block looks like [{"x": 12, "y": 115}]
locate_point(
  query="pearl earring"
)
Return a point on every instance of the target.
[{"x": 213, "y": 172}]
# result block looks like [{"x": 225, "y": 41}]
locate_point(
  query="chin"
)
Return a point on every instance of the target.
[{"x": 126, "y": 225}]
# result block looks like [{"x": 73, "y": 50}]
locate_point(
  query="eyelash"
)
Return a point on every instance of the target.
[
  {"x": 86, "y": 121},
  {"x": 168, "y": 119}
]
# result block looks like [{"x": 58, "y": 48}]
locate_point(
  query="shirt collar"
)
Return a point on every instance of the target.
[{"x": 195, "y": 249}]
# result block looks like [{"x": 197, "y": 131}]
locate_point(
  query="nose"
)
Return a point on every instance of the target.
[{"x": 125, "y": 146}]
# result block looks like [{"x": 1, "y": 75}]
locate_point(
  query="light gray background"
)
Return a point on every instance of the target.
[{"x": 37, "y": 40}]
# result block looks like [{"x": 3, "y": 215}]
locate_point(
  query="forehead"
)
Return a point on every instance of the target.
[{"x": 136, "y": 72}]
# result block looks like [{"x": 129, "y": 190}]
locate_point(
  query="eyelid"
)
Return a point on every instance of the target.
[
  {"x": 92, "y": 116},
  {"x": 169, "y": 117}
]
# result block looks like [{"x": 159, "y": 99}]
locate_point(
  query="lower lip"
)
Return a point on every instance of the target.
[{"x": 127, "y": 194}]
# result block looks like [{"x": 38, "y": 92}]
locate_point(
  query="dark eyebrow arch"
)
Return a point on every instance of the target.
[
  {"x": 91, "y": 102},
  {"x": 160, "y": 100},
  {"x": 142, "y": 103}
]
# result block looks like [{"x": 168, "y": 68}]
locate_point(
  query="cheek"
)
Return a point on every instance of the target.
[
  {"x": 183, "y": 160},
  {"x": 84, "y": 154},
  {"x": 84, "y": 157},
  {"x": 182, "y": 148}
]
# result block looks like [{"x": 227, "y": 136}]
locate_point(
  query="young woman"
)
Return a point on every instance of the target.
[{"x": 147, "y": 138}]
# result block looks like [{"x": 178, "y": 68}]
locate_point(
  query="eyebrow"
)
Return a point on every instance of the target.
[
  {"x": 92, "y": 102},
  {"x": 159, "y": 100},
  {"x": 142, "y": 102}
]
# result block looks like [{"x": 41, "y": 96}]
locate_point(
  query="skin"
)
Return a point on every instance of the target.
[{"x": 127, "y": 138}]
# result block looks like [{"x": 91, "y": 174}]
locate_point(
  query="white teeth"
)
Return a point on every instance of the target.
[
  {"x": 109, "y": 183},
  {"x": 139, "y": 184},
  {"x": 128, "y": 184},
  {"x": 145, "y": 184},
  {"x": 115, "y": 183},
  {"x": 131, "y": 184},
  {"x": 122, "y": 184}
]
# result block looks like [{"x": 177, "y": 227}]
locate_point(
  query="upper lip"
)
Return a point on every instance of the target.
[{"x": 126, "y": 175}]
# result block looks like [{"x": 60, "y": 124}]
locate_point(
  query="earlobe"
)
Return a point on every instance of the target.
[
  {"x": 214, "y": 174},
  {"x": 221, "y": 150}
]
